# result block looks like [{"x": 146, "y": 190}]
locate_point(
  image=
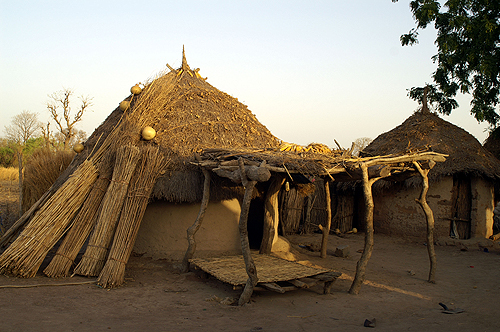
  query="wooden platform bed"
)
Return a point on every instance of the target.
[{"x": 273, "y": 273}]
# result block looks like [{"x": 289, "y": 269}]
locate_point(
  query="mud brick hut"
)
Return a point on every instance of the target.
[
  {"x": 462, "y": 188},
  {"x": 179, "y": 158}
]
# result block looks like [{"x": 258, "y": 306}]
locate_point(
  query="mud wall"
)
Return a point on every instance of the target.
[
  {"x": 397, "y": 213},
  {"x": 163, "y": 230}
]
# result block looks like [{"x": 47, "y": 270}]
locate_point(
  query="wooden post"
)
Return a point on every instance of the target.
[
  {"x": 20, "y": 167},
  {"x": 367, "y": 251},
  {"x": 245, "y": 245},
  {"x": 271, "y": 215},
  {"x": 326, "y": 229},
  {"x": 307, "y": 222},
  {"x": 194, "y": 228},
  {"x": 429, "y": 216}
]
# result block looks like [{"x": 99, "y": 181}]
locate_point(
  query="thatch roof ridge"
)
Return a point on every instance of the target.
[{"x": 466, "y": 154}]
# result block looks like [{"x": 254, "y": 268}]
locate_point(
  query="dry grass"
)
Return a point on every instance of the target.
[
  {"x": 9, "y": 204},
  {"x": 9, "y": 174},
  {"x": 41, "y": 171}
]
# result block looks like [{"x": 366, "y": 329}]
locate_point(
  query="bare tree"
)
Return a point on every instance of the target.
[
  {"x": 46, "y": 134},
  {"x": 24, "y": 126},
  {"x": 60, "y": 101},
  {"x": 359, "y": 144}
]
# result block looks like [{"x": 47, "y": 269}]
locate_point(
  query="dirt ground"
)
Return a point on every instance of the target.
[{"x": 156, "y": 298}]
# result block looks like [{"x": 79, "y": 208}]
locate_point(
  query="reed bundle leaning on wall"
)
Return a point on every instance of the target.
[
  {"x": 25, "y": 255},
  {"x": 83, "y": 224},
  {"x": 147, "y": 172},
  {"x": 95, "y": 256}
]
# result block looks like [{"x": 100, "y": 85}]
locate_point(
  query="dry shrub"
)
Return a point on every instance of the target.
[
  {"x": 9, "y": 174},
  {"x": 41, "y": 171}
]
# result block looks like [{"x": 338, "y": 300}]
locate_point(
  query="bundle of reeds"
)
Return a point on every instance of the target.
[
  {"x": 25, "y": 255},
  {"x": 95, "y": 255},
  {"x": 147, "y": 172},
  {"x": 83, "y": 224}
]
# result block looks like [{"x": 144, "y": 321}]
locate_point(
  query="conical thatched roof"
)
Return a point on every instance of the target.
[
  {"x": 466, "y": 154},
  {"x": 492, "y": 143},
  {"x": 188, "y": 115}
]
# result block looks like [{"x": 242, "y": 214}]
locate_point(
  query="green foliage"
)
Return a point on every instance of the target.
[
  {"x": 468, "y": 58},
  {"x": 32, "y": 145},
  {"x": 7, "y": 156},
  {"x": 438, "y": 99}
]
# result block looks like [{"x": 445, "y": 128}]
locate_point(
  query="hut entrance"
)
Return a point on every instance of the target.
[
  {"x": 255, "y": 223},
  {"x": 460, "y": 226}
]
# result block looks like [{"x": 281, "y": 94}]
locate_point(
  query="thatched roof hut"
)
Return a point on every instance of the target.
[
  {"x": 189, "y": 114},
  {"x": 464, "y": 204},
  {"x": 422, "y": 130}
]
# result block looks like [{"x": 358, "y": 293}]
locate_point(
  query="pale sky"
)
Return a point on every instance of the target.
[{"x": 311, "y": 71}]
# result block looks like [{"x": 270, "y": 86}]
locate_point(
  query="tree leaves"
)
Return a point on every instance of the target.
[{"x": 468, "y": 58}]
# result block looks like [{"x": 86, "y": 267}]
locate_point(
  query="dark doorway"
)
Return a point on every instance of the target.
[
  {"x": 255, "y": 223},
  {"x": 460, "y": 226}
]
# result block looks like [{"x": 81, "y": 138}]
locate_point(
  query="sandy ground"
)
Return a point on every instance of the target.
[{"x": 156, "y": 298}]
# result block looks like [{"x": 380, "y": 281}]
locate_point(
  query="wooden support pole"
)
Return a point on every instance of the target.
[
  {"x": 271, "y": 215},
  {"x": 326, "y": 229},
  {"x": 359, "y": 278},
  {"x": 429, "y": 217},
  {"x": 307, "y": 222},
  {"x": 194, "y": 228},
  {"x": 245, "y": 245}
]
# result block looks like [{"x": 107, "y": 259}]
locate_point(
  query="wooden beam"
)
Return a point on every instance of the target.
[
  {"x": 194, "y": 228},
  {"x": 245, "y": 245},
  {"x": 298, "y": 283},
  {"x": 357, "y": 174},
  {"x": 271, "y": 215},
  {"x": 253, "y": 173},
  {"x": 272, "y": 286}
]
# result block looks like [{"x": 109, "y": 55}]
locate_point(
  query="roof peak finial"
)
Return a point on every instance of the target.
[
  {"x": 425, "y": 107},
  {"x": 185, "y": 65}
]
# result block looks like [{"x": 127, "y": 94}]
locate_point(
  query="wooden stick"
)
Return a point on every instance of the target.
[
  {"x": 359, "y": 278},
  {"x": 271, "y": 215},
  {"x": 326, "y": 229},
  {"x": 429, "y": 217},
  {"x": 245, "y": 245},
  {"x": 194, "y": 228}
]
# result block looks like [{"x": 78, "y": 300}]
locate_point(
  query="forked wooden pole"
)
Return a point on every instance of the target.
[
  {"x": 359, "y": 278},
  {"x": 326, "y": 229},
  {"x": 429, "y": 217},
  {"x": 245, "y": 245},
  {"x": 196, "y": 226}
]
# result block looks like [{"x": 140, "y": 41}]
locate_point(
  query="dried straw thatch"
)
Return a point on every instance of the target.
[
  {"x": 25, "y": 255},
  {"x": 188, "y": 115},
  {"x": 145, "y": 176},
  {"x": 231, "y": 269},
  {"x": 41, "y": 171},
  {"x": 422, "y": 130},
  {"x": 83, "y": 224},
  {"x": 94, "y": 258},
  {"x": 492, "y": 143}
]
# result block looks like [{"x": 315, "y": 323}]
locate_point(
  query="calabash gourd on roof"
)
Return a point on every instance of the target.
[
  {"x": 78, "y": 147},
  {"x": 148, "y": 133}
]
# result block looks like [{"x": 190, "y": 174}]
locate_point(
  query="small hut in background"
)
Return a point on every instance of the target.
[{"x": 462, "y": 190}]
